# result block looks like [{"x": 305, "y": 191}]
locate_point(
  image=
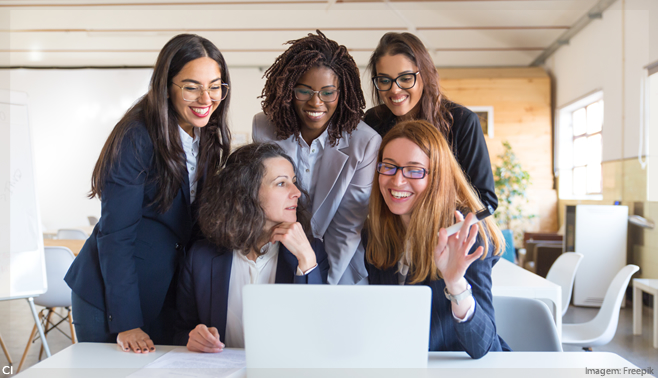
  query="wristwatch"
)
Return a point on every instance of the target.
[{"x": 459, "y": 297}]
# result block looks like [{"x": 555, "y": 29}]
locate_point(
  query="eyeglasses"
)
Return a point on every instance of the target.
[
  {"x": 404, "y": 81},
  {"x": 192, "y": 92},
  {"x": 388, "y": 169},
  {"x": 326, "y": 95}
]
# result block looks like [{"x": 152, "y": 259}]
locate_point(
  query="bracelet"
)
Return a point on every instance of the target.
[{"x": 459, "y": 297}]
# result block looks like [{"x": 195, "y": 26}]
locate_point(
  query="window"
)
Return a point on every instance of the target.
[{"x": 580, "y": 148}]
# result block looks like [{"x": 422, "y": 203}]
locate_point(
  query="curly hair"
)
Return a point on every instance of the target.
[
  {"x": 230, "y": 212},
  {"x": 283, "y": 75}
]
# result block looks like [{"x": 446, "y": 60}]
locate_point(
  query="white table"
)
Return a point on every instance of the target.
[
  {"x": 511, "y": 280},
  {"x": 650, "y": 286},
  {"x": 107, "y": 360}
]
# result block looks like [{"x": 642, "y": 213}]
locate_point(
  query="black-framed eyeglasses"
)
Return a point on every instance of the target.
[
  {"x": 326, "y": 95},
  {"x": 404, "y": 81},
  {"x": 410, "y": 172},
  {"x": 191, "y": 92}
]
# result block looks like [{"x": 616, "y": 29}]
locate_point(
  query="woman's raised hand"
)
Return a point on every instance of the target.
[
  {"x": 451, "y": 254},
  {"x": 204, "y": 339},
  {"x": 293, "y": 237}
]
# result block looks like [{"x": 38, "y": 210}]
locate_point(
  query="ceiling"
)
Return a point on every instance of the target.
[{"x": 111, "y": 33}]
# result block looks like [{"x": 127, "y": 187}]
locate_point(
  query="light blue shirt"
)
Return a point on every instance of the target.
[{"x": 307, "y": 160}]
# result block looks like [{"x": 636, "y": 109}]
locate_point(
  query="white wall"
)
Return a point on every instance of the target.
[
  {"x": 71, "y": 114},
  {"x": 593, "y": 60}
]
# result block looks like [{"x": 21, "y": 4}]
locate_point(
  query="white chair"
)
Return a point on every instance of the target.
[
  {"x": 92, "y": 220},
  {"x": 563, "y": 273},
  {"x": 600, "y": 330},
  {"x": 526, "y": 324},
  {"x": 4, "y": 349},
  {"x": 58, "y": 261},
  {"x": 71, "y": 234}
]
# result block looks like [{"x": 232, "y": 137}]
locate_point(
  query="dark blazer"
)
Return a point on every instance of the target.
[
  {"x": 476, "y": 336},
  {"x": 128, "y": 263},
  {"x": 466, "y": 140},
  {"x": 204, "y": 279}
]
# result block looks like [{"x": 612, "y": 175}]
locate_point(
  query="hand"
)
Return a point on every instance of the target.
[
  {"x": 205, "y": 340},
  {"x": 135, "y": 339},
  {"x": 451, "y": 254},
  {"x": 293, "y": 237}
]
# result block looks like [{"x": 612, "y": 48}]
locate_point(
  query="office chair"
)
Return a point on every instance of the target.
[
  {"x": 526, "y": 324},
  {"x": 58, "y": 261},
  {"x": 563, "y": 273},
  {"x": 71, "y": 234},
  {"x": 600, "y": 330}
]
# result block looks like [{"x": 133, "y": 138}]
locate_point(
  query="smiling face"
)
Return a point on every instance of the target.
[
  {"x": 400, "y": 102},
  {"x": 202, "y": 71},
  {"x": 278, "y": 193},
  {"x": 401, "y": 193},
  {"x": 315, "y": 114}
]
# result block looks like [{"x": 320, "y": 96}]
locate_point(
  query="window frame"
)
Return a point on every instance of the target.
[{"x": 565, "y": 139}]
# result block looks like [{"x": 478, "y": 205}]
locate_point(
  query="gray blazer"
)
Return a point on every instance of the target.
[{"x": 340, "y": 204}]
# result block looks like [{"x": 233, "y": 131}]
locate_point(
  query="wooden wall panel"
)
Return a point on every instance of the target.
[{"x": 521, "y": 99}]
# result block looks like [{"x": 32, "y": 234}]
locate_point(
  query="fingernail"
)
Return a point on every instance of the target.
[
  {"x": 152, "y": 348},
  {"x": 145, "y": 350}
]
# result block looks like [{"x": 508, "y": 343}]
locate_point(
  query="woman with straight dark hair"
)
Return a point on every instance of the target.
[
  {"x": 147, "y": 177},
  {"x": 253, "y": 215},
  {"x": 419, "y": 190},
  {"x": 312, "y": 108},
  {"x": 406, "y": 87}
]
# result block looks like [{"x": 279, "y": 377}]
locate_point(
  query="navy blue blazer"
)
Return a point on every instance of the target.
[
  {"x": 476, "y": 336},
  {"x": 126, "y": 266},
  {"x": 204, "y": 280}
]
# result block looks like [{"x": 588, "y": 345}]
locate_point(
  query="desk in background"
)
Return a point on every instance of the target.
[
  {"x": 74, "y": 245},
  {"x": 511, "y": 280},
  {"x": 107, "y": 360}
]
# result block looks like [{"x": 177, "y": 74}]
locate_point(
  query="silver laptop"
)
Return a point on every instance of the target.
[{"x": 326, "y": 326}]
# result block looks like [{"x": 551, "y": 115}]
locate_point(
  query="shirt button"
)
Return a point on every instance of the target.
[
  {"x": 109, "y": 317},
  {"x": 307, "y": 170},
  {"x": 312, "y": 150},
  {"x": 192, "y": 168},
  {"x": 193, "y": 192}
]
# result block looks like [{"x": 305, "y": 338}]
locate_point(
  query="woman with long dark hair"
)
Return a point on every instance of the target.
[
  {"x": 147, "y": 177},
  {"x": 253, "y": 215},
  {"x": 406, "y": 87},
  {"x": 418, "y": 191},
  {"x": 312, "y": 107}
]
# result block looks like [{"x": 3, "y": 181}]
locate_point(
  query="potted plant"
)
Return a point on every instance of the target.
[{"x": 511, "y": 182}]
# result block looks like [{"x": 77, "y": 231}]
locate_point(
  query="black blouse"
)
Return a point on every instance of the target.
[{"x": 466, "y": 139}]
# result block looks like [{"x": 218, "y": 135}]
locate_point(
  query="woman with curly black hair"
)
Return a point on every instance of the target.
[
  {"x": 257, "y": 232},
  {"x": 312, "y": 107}
]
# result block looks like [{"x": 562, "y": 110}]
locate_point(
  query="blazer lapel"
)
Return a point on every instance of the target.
[
  {"x": 219, "y": 281},
  {"x": 286, "y": 266},
  {"x": 333, "y": 161}
]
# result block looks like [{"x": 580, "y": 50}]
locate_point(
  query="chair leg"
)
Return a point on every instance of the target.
[
  {"x": 27, "y": 347},
  {"x": 74, "y": 339},
  {"x": 4, "y": 349},
  {"x": 46, "y": 330}
]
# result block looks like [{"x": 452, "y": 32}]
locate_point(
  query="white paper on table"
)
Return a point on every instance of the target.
[{"x": 183, "y": 363}]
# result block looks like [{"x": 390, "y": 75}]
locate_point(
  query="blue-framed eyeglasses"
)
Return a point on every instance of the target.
[{"x": 410, "y": 172}]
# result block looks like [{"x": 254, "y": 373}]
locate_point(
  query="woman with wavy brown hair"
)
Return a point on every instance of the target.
[
  {"x": 406, "y": 86},
  {"x": 418, "y": 191},
  {"x": 257, "y": 231},
  {"x": 312, "y": 107}
]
